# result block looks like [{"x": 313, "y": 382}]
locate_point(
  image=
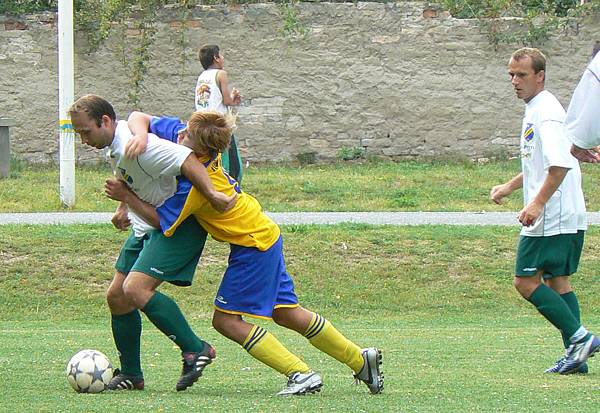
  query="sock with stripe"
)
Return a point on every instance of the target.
[
  {"x": 264, "y": 347},
  {"x": 572, "y": 302},
  {"x": 165, "y": 314},
  {"x": 127, "y": 333},
  {"x": 550, "y": 304},
  {"x": 324, "y": 336}
]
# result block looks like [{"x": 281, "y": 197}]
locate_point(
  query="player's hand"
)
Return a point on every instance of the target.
[
  {"x": 236, "y": 96},
  {"x": 121, "y": 219},
  {"x": 585, "y": 155},
  {"x": 222, "y": 202},
  {"x": 530, "y": 213},
  {"x": 117, "y": 189},
  {"x": 499, "y": 192},
  {"x": 136, "y": 146}
]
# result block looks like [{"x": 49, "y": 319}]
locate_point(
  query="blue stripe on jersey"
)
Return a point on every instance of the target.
[
  {"x": 171, "y": 209},
  {"x": 259, "y": 333},
  {"x": 316, "y": 327},
  {"x": 166, "y": 127}
]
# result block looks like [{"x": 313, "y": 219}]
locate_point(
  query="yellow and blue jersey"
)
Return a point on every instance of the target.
[{"x": 245, "y": 224}]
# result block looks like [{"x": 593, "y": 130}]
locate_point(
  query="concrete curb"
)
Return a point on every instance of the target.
[{"x": 291, "y": 218}]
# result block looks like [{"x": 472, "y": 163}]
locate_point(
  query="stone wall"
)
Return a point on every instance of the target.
[{"x": 401, "y": 80}]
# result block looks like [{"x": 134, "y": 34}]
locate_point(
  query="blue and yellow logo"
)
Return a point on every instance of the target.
[
  {"x": 125, "y": 176},
  {"x": 528, "y": 134}
]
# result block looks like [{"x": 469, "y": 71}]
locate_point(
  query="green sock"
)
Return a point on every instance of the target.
[
  {"x": 165, "y": 314},
  {"x": 550, "y": 304},
  {"x": 127, "y": 332},
  {"x": 570, "y": 299}
]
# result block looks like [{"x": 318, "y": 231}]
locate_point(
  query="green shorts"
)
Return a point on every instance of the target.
[
  {"x": 557, "y": 255},
  {"x": 232, "y": 161},
  {"x": 171, "y": 259}
]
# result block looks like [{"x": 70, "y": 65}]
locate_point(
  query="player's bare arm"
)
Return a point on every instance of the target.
[
  {"x": 534, "y": 209},
  {"x": 138, "y": 123},
  {"x": 119, "y": 191},
  {"x": 585, "y": 155},
  {"x": 195, "y": 171},
  {"x": 121, "y": 219},
  {"x": 499, "y": 192},
  {"x": 230, "y": 98}
]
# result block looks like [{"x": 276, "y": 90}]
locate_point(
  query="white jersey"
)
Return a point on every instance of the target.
[
  {"x": 151, "y": 175},
  {"x": 544, "y": 144},
  {"x": 583, "y": 115},
  {"x": 208, "y": 93}
]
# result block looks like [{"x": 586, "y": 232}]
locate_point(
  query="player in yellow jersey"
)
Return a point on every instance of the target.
[{"x": 256, "y": 283}]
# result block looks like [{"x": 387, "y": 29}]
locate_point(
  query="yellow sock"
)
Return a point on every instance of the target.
[
  {"x": 264, "y": 347},
  {"x": 326, "y": 338}
]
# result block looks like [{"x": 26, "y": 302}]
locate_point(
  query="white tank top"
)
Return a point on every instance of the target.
[{"x": 208, "y": 93}]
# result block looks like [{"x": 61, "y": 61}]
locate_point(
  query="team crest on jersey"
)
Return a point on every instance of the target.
[
  {"x": 528, "y": 134},
  {"x": 126, "y": 177}
]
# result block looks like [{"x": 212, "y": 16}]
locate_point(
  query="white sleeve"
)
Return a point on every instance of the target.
[
  {"x": 162, "y": 157},
  {"x": 583, "y": 115},
  {"x": 555, "y": 145},
  {"x": 196, "y": 94}
]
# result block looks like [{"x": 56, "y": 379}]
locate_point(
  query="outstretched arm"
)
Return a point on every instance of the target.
[
  {"x": 139, "y": 124},
  {"x": 192, "y": 168}
]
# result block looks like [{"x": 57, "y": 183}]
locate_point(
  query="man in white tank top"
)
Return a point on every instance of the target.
[{"x": 212, "y": 93}]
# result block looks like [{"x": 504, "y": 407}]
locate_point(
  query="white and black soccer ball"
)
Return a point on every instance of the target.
[{"x": 89, "y": 371}]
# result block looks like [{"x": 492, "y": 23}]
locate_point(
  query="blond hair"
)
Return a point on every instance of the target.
[
  {"x": 538, "y": 60},
  {"x": 210, "y": 131}
]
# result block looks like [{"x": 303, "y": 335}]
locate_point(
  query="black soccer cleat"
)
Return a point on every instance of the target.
[
  {"x": 122, "y": 381},
  {"x": 193, "y": 366}
]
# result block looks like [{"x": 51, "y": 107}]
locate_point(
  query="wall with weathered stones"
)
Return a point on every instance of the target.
[{"x": 401, "y": 79}]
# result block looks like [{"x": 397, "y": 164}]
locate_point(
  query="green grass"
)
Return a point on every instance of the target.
[
  {"x": 438, "y": 300},
  {"x": 344, "y": 186}
]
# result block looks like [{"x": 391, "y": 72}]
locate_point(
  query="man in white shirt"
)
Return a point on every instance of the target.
[
  {"x": 148, "y": 258},
  {"x": 583, "y": 115},
  {"x": 554, "y": 216}
]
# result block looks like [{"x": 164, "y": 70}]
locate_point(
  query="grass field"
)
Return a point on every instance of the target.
[
  {"x": 438, "y": 300},
  {"x": 371, "y": 186}
]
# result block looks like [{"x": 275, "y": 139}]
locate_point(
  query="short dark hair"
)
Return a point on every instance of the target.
[
  {"x": 596, "y": 48},
  {"x": 94, "y": 106},
  {"x": 207, "y": 55}
]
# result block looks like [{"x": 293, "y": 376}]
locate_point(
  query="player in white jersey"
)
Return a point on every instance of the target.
[
  {"x": 553, "y": 219},
  {"x": 147, "y": 257},
  {"x": 212, "y": 93},
  {"x": 583, "y": 115}
]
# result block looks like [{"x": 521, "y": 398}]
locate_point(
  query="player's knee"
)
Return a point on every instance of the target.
[
  {"x": 525, "y": 285},
  {"x": 134, "y": 295},
  {"x": 114, "y": 296},
  {"x": 219, "y": 323},
  {"x": 281, "y": 317}
]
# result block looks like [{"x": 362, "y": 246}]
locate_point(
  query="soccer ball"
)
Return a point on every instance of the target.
[{"x": 89, "y": 371}]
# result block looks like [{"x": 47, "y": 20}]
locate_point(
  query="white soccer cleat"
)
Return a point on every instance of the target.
[
  {"x": 302, "y": 383},
  {"x": 371, "y": 373}
]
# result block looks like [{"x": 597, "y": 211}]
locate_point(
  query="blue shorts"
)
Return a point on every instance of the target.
[{"x": 256, "y": 282}]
